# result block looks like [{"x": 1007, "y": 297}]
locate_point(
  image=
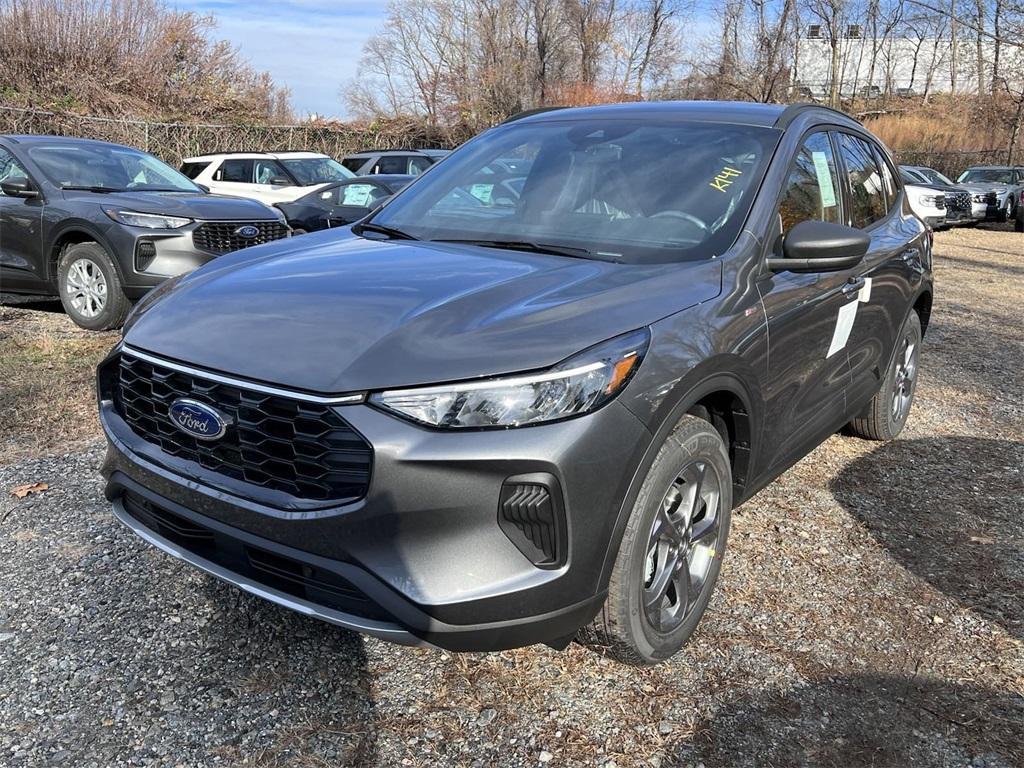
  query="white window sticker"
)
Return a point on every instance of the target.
[
  {"x": 357, "y": 194},
  {"x": 828, "y": 192},
  {"x": 844, "y": 324},
  {"x": 864, "y": 295},
  {"x": 482, "y": 192}
]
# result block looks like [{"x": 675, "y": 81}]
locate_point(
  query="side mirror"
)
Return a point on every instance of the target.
[
  {"x": 280, "y": 181},
  {"x": 19, "y": 186},
  {"x": 819, "y": 246}
]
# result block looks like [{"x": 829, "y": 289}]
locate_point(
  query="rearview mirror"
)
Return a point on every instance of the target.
[
  {"x": 18, "y": 186},
  {"x": 819, "y": 246}
]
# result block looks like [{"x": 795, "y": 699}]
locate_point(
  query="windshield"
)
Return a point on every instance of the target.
[
  {"x": 637, "y": 191},
  {"x": 107, "y": 167},
  {"x": 316, "y": 170},
  {"x": 997, "y": 175},
  {"x": 935, "y": 177}
]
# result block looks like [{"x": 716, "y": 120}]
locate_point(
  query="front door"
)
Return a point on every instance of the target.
[
  {"x": 808, "y": 318},
  {"x": 22, "y": 267}
]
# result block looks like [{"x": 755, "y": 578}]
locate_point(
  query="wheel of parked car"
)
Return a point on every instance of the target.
[
  {"x": 671, "y": 551},
  {"x": 885, "y": 415},
  {"x": 90, "y": 288}
]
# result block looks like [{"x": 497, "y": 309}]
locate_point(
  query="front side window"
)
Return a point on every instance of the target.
[
  {"x": 266, "y": 171},
  {"x": 812, "y": 190},
  {"x": 392, "y": 164},
  {"x": 864, "y": 178},
  {"x": 316, "y": 170},
  {"x": 418, "y": 165},
  {"x": 108, "y": 168},
  {"x": 10, "y": 168},
  {"x": 353, "y": 164},
  {"x": 629, "y": 190},
  {"x": 889, "y": 183},
  {"x": 359, "y": 194}
]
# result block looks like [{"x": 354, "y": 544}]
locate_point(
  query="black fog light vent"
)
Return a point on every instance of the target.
[
  {"x": 531, "y": 514},
  {"x": 145, "y": 252}
]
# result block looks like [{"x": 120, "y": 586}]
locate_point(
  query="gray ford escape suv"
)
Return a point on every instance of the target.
[{"x": 480, "y": 420}]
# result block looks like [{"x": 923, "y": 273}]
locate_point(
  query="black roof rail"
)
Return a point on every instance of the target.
[
  {"x": 529, "y": 113},
  {"x": 790, "y": 113}
]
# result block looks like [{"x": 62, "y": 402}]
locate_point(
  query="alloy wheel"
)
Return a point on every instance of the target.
[
  {"x": 903, "y": 385},
  {"x": 681, "y": 546},
  {"x": 86, "y": 287}
]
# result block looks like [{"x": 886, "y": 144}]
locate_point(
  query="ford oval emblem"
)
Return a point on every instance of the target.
[
  {"x": 197, "y": 419},
  {"x": 247, "y": 231}
]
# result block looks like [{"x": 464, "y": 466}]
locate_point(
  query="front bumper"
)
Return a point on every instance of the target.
[{"x": 423, "y": 557}]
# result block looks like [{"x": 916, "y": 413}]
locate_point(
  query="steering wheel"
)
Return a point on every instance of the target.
[{"x": 684, "y": 216}]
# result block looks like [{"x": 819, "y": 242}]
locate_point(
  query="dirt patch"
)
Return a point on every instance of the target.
[{"x": 47, "y": 392}]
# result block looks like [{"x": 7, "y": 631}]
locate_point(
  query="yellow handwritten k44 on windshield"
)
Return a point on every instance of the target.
[{"x": 724, "y": 178}]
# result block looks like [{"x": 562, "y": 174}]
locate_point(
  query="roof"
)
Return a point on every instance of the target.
[
  {"x": 384, "y": 152},
  {"x": 995, "y": 168},
  {"x": 736, "y": 112},
  {"x": 28, "y": 140},
  {"x": 244, "y": 154}
]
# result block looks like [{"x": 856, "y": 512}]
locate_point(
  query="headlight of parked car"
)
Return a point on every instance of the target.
[
  {"x": 980, "y": 198},
  {"x": 147, "y": 220},
  {"x": 932, "y": 200},
  {"x": 579, "y": 385}
]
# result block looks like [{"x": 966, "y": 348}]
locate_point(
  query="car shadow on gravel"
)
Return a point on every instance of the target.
[
  {"x": 307, "y": 683},
  {"x": 882, "y": 721},
  {"x": 948, "y": 509}
]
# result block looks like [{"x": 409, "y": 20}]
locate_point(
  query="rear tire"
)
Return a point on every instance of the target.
[
  {"x": 675, "y": 537},
  {"x": 885, "y": 416},
  {"x": 90, "y": 288}
]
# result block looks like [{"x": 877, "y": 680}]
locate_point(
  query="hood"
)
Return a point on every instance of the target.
[
  {"x": 193, "y": 205},
  {"x": 983, "y": 187},
  {"x": 343, "y": 314}
]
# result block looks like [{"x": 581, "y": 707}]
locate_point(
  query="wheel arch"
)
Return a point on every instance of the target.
[
  {"x": 726, "y": 399},
  {"x": 74, "y": 233}
]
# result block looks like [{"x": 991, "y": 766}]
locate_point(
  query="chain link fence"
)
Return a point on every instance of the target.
[{"x": 173, "y": 142}]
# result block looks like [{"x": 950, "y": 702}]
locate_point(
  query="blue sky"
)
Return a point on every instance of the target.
[{"x": 311, "y": 46}]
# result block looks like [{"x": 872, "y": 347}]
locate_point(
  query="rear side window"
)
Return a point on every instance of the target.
[
  {"x": 193, "y": 169},
  {"x": 812, "y": 188},
  {"x": 353, "y": 163},
  {"x": 867, "y": 190},
  {"x": 266, "y": 170},
  {"x": 235, "y": 170},
  {"x": 889, "y": 182},
  {"x": 392, "y": 164}
]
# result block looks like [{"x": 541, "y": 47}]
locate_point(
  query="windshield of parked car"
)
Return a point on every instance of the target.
[
  {"x": 997, "y": 175},
  {"x": 629, "y": 190},
  {"x": 935, "y": 177},
  {"x": 106, "y": 167},
  {"x": 316, "y": 170}
]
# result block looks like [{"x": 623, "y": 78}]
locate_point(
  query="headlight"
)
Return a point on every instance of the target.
[
  {"x": 980, "y": 198},
  {"x": 579, "y": 385},
  {"x": 931, "y": 200},
  {"x": 147, "y": 220}
]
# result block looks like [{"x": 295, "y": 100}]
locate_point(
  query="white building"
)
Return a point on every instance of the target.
[{"x": 896, "y": 65}]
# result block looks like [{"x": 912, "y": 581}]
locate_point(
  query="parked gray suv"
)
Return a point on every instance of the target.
[{"x": 100, "y": 224}]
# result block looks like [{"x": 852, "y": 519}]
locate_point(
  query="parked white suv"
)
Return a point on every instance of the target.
[
  {"x": 928, "y": 204},
  {"x": 270, "y": 177}
]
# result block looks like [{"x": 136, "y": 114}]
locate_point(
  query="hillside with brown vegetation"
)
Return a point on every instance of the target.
[{"x": 138, "y": 58}]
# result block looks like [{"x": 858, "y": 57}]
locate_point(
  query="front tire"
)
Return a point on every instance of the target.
[
  {"x": 671, "y": 551},
  {"x": 90, "y": 288},
  {"x": 886, "y": 415}
]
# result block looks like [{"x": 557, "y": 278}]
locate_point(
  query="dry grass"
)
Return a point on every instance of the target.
[{"x": 47, "y": 393}]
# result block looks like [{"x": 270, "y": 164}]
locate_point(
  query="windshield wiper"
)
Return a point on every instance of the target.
[
  {"x": 525, "y": 245},
  {"x": 91, "y": 188},
  {"x": 395, "y": 234}
]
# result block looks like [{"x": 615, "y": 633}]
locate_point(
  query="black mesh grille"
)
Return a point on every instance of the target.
[
  {"x": 223, "y": 237},
  {"x": 959, "y": 201},
  {"x": 304, "y": 449},
  {"x": 294, "y": 577}
]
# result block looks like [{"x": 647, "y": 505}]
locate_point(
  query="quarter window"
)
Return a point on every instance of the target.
[
  {"x": 812, "y": 189},
  {"x": 192, "y": 170},
  {"x": 867, "y": 190}
]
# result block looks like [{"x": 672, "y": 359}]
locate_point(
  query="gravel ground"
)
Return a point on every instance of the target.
[{"x": 870, "y": 613}]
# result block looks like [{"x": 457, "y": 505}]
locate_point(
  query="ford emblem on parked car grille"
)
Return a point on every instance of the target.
[
  {"x": 197, "y": 419},
  {"x": 247, "y": 231}
]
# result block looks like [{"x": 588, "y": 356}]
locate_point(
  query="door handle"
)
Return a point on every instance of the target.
[{"x": 853, "y": 285}]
